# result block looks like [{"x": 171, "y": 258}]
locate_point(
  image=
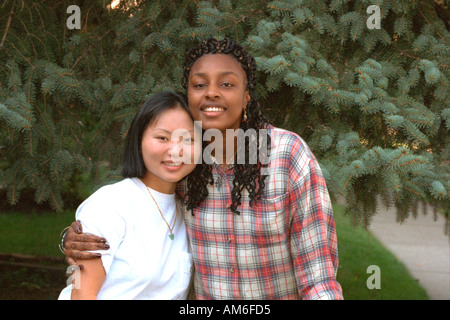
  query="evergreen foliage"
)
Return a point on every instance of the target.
[{"x": 371, "y": 103}]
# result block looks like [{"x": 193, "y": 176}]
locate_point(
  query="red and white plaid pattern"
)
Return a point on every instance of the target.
[{"x": 284, "y": 247}]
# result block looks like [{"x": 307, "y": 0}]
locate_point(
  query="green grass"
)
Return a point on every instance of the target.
[
  {"x": 38, "y": 234},
  {"x": 359, "y": 249},
  {"x": 33, "y": 233}
]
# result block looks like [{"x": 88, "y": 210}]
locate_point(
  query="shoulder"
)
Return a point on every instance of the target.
[
  {"x": 290, "y": 157},
  {"x": 106, "y": 212},
  {"x": 119, "y": 186},
  {"x": 106, "y": 200},
  {"x": 112, "y": 193},
  {"x": 288, "y": 144}
]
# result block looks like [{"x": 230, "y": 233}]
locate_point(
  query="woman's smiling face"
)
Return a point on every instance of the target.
[
  {"x": 168, "y": 153},
  {"x": 217, "y": 91}
]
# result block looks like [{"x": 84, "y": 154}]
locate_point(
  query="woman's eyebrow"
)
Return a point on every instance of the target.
[
  {"x": 222, "y": 73},
  {"x": 170, "y": 132},
  {"x": 161, "y": 129}
]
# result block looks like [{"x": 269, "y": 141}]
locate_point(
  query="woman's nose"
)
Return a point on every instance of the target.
[
  {"x": 176, "y": 146},
  {"x": 176, "y": 150},
  {"x": 212, "y": 92}
]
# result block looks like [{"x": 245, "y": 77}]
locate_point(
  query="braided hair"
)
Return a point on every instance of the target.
[{"x": 247, "y": 175}]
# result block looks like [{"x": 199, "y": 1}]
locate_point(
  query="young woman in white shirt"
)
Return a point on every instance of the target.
[{"x": 148, "y": 255}]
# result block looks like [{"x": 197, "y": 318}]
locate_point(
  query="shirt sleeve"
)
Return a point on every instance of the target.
[
  {"x": 313, "y": 233},
  {"x": 99, "y": 217}
]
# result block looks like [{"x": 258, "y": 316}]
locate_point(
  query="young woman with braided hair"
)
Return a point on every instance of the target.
[
  {"x": 258, "y": 230},
  {"x": 246, "y": 175}
]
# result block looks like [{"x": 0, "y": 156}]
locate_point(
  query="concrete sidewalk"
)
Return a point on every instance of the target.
[{"x": 421, "y": 244}]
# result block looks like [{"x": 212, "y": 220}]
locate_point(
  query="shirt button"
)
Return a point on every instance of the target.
[
  {"x": 231, "y": 270},
  {"x": 229, "y": 239}
]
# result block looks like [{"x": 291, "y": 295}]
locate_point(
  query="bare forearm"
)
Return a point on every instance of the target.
[
  {"x": 90, "y": 281},
  {"x": 78, "y": 295}
]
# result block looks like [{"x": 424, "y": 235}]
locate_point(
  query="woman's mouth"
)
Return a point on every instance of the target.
[
  {"x": 172, "y": 164},
  {"x": 213, "y": 109}
]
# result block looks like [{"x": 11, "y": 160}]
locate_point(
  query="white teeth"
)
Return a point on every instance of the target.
[
  {"x": 213, "y": 109},
  {"x": 171, "y": 164}
]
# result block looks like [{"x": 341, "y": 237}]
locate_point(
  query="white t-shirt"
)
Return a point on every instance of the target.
[{"x": 142, "y": 262}]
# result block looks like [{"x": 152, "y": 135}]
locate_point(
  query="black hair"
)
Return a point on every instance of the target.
[
  {"x": 247, "y": 175},
  {"x": 133, "y": 163}
]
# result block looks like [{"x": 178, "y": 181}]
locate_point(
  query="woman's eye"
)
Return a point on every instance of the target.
[
  {"x": 199, "y": 85},
  {"x": 162, "y": 138},
  {"x": 227, "y": 84}
]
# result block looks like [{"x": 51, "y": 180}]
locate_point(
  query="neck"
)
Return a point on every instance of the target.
[
  {"x": 163, "y": 187},
  {"x": 226, "y": 151}
]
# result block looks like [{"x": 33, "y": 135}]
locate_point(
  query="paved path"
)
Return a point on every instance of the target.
[{"x": 421, "y": 244}]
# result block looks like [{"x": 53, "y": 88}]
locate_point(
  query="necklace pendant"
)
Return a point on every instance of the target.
[
  {"x": 171, "y": 235},
  {"x": 218, "y": 183}
]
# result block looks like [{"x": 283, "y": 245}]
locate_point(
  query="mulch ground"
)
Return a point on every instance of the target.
[{"x": 25, "y": 277}]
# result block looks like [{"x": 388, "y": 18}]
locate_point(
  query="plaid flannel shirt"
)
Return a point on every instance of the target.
[{"x": 284, "y": 247}]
